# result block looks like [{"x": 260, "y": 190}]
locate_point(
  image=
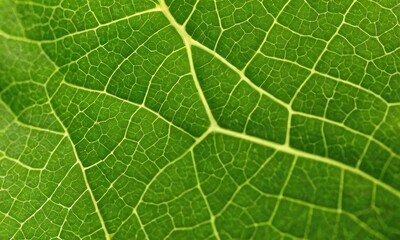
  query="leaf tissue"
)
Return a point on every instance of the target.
[{"x": 200, "y": 119}]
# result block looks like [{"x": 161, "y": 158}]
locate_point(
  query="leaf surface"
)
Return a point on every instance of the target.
[{"x": 199, "y": 119}]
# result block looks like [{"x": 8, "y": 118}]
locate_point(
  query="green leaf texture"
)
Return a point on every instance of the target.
[{"x": 200, "y": 119}]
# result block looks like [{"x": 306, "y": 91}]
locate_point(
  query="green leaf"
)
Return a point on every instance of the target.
[{"x": 199, "y": 119}]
